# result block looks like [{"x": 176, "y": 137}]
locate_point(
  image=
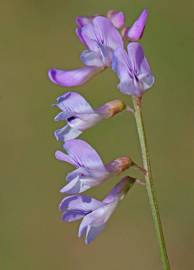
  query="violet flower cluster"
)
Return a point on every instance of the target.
[{"x": 104, "y": 39}]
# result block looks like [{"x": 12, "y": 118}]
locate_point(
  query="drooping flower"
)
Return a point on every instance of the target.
[
  {"x": 79, "y": 115},
  {"x": 133, "y": 70},
  {"x": 101, "y": 38},
  {"x": 95, "y": 213},
  {"x": 135, "y": 32},
  {"x": 90, "y": 170}
]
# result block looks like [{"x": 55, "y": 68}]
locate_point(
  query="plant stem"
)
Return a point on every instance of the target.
[{"x": 149, "y": 183}]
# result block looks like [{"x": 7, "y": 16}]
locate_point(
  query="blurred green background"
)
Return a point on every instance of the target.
[{"x": 37, "y": 35}]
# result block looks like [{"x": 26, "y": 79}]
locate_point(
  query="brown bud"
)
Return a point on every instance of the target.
[
  {"x": 120, "y": 164},
  {"x": 111, "y": 108}
]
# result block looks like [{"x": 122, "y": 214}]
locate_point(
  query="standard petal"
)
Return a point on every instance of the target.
[
  {"x": 63, "y": 157},
  {"x": 101, "y": 32},
  {"x": 107, "y": 33},
  {"x": 66, "y": 133},
  {"x": 135, "y": 55},
  {"x": 83, "y": 154},
  {"x": 117, "y": 18},
  {"x": 135, "y": 32},
  {"x": 83, "y": 20},
  {"x": 121, "y": 65},
  {"x": 70, "y": 78},
  {"x": 79, "y": 35}
]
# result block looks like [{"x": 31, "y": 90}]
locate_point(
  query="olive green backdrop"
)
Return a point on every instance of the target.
[{"x": 37, "y": 35}]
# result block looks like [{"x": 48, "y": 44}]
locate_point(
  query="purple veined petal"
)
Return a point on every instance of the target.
[
  {"x": 71, "y": 103},
  {"x": 70, "y": 78},
  {"x": 135, "y": 55},
  {"x": 91, "y": 58},
  {"x": 83, "y": 154},
  {"x": 79, "y": 35},
  {"x": 81, "y": 202},
  {"x": 135, "y": 32},
  {"x": 107, "y": 54},
  {"x": 140, "y": 65},
  {"x": 121, "y": 65},
  {"x": 63, "y": 157},
  {"x": 66, "y": 133},
  {"x": 117, "y": 18},
  {"x": 101, "y": 32}
]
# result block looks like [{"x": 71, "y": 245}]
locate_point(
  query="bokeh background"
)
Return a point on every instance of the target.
[{"x": 37, "y": 35}]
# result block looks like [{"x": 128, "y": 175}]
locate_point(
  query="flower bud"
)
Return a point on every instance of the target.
[
  {"x": 111, "y": 108},
  {"x": 135, "y": 32},
  {"x": 119, "y": 165},
  {"x": 117, "y": 18}
]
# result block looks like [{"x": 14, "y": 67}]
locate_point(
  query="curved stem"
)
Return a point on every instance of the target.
[{"x": 149, "y": 183}]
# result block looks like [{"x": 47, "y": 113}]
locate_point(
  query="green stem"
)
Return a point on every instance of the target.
[{"x": 149, "y": 183}]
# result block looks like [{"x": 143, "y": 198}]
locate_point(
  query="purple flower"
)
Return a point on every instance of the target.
[
  {"x": 90, "y": 170},
  {"x": 135, "y": 32},
  {"x": 101, "y": 38},
  {"x": 133, "y": 70},
  {"x": 80, "y": 115},
  {"x": 95, "y": 213}
]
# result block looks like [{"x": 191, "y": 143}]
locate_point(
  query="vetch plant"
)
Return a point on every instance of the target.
[{"x": 105, "y": 39}]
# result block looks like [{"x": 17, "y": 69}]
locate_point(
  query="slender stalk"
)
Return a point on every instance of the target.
[{"x": 149, "y": 184}]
